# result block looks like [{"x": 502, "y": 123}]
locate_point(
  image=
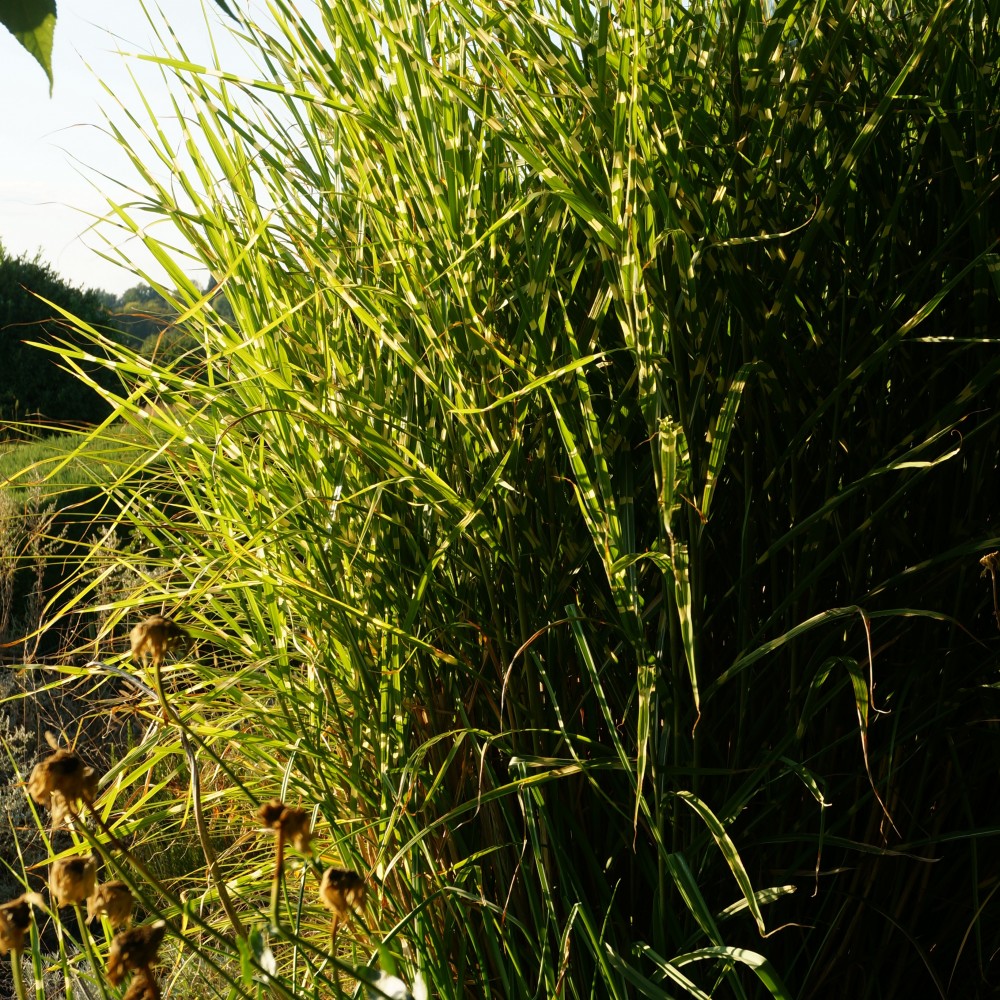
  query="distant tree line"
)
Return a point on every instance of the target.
[{"x": 35, "y": 389}]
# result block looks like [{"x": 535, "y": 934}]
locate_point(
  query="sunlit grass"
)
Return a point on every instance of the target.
[
  {"x": 567, "y": 509},
  {"x": 42, "y": 465}
]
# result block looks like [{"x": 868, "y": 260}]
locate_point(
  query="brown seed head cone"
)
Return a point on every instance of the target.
[
  {"x": 292, "y": 822},
  {"x": 114, "y": 900},
  {"x": 134, "y": 949},
  {"x": 270, "y": 812},
  {"x": 155, "y": 637},
  {"x": 64, "y": 775},
  {"x": 295, "y": 826},
  {"x": 72, "y": 880},
  {"x": 142, "y": 987},
  {"x": 15, "y": 919},
  {"x": 342, "y": 891}
]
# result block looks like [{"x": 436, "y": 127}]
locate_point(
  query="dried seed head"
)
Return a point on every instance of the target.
[
  {"x": 295, "y": 826},
  {"x": 342, "y": 891},
  {"x": 72, "y": 880},
  {"x": 60, "y": 781},
  {"x": 270, "y": 812},
  {"x": 292, "y": 822},
  {"x": 113, "y": 900},
  {"x": 15, "y": 919},
  {"x": 155, "y": 637},
  {"x": 142, "y": 987},
  {"x": 134, "y": 949}
]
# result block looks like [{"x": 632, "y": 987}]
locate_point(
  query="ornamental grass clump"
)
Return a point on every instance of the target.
[{"x": 589, "y": 416}]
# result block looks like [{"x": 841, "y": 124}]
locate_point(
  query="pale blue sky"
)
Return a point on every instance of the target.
[{"x": 54, "y": 150}]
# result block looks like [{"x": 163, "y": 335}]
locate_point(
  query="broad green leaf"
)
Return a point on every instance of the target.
[
  {"x": 721, "y": 434},
  {"x": 682, "y": 600},
  {"x": 763, "y": 897},
  {"x": 33, "y": 24},
  {"x": 687, "y": 885},
  {"x": 729, "y": 852},
  {"x": 751, "y": 959}
]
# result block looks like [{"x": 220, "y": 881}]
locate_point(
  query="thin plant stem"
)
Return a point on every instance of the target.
[
  {"x": 88, "y": 947},
  {"x": 15, "y": 969},
  {"x": 279, "y": 866}
]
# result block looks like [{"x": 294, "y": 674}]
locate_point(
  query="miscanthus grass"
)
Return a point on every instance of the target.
[{"x": 581, "y": 515}]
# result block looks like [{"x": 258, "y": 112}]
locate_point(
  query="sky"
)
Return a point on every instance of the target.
[{"x": 56, "y": 156}]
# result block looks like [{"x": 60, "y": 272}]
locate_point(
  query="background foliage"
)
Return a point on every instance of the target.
[
  {"x": 582, "y": 509},
  {"x": 34, "y": 386},
  {"x": 38, "y": 394}
]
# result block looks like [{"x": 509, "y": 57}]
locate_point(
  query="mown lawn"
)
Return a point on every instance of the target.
[{"x": 64, "y": 463}]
